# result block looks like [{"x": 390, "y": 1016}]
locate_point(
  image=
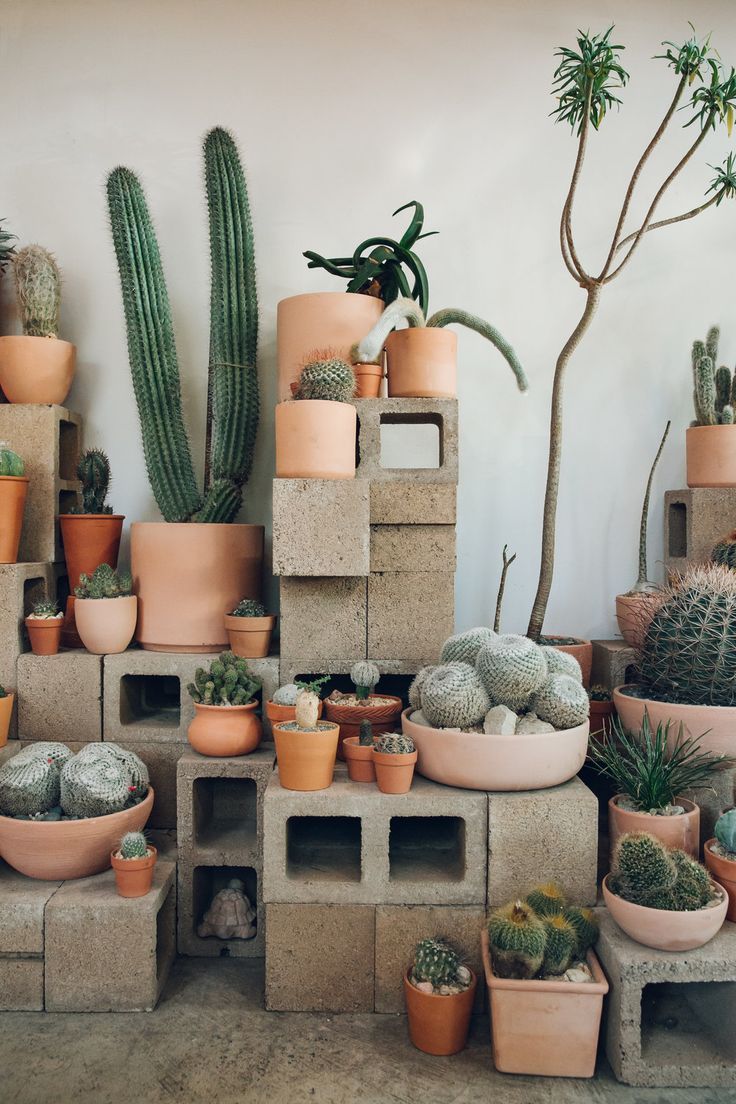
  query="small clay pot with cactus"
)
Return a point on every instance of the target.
[
  {"x": 105, "y": 610},
  {"x": 394, "y": 759},
  {"x": 316, "y": 432},
  {"x": 225, "y": 722},
  {"x": 133, "y": 863},
  {"x": 439, "y": 990},
  {"x": 363, "y": 703},
  {"x": 249, "y": 629},
  {"x": 602, "y": 709},
  {"x": 719, "y": 854},
  {"x": 282, "y": 707},
  {"x": 358, "y": 754},
  {"x": 13, "y": 493},
  {"x": 711, "y": 438},
  {"x": 6, "y": 712},
  {"x": 37, "y": 367},
  {"x": 306, "y": 747},
  {"x": 43, "y": 625}
]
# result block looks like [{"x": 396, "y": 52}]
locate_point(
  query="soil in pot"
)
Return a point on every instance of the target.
[
  {"x": 394, "y": 772},
  {"x": 677, "y": 830},
  {"x": 666, "y": 930},
  {"x": 581, "y": 650},
  {"x": 250, "y": 637},
  {"x": 13, "y": 492},
  {"x": 44, "y": 634},
  {"x": 359, "y": 760},
  {"x": 348, "y": 710},
  {"x": 306, "y": 760},
  {"x": 422, "y": 363},
  {"x": 711, "y": 456},
  {"x": 225, "y": 730},
  {"x": 106, "y": 625},
  {"x": 315, "y": 439},
  {"x": 36, "y": 369},
  {"x": 134, "y": 877},
  {"x": 6, "y": 712},
  {"x": 439, "y": 1024},
  {"x": 723, "y": 870}
]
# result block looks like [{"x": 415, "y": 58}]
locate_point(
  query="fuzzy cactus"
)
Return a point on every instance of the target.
[
  {"x": 38, "y": 291},
  {"x": 400, "y": 310},
  {"x": 286, "y": 694},
  {"x": 517, "y": 939},
  {"x": 248, "y": 607},
  {"x": 307, "y": 710},
  {"x": 724, "y": 553},
  {"x": 364, "y": 676},
  {"x": 585, "y": 923},
  {"x": 453, "y": 696},
  {"x": 46, "y": 749},
  {"x": 365, "y": 738},
  {"x": 562, "y": 701},
  {"x": 10, "y": 462},
  {"x": 7, "y": 249},
  {"x": 464, "y": 646},
  {"x": 714, "y": 388},
  {"x": 92, "y": 787},
  {"x": 437, "y": 961},
  {"x": 93, "y": 472},
  {"x": 512, "y": 668},
  {"x": 547, "y": 899},
  {"x": 326, "y": 376},
  {"x": 416, "y": 685},
  {"x": 393, "y": 743},
  {"x": 561, "y": 944},
  {"x": 725, "y": 831},
  {"x": 561, "y": 663},
  {"x": 133, "y": 767},
  {"x": 133, "y": 846},
  {"x": 28, "y": 785},
  {"x": 104, "y": 582},
  {"x": 228, "y": 682}
]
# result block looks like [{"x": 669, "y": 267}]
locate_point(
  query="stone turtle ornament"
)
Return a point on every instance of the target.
[{"x": 230, "y": 915}]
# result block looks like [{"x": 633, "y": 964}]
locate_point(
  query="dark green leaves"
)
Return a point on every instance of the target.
[
  {"x": 724, "y": 182},
  {"x": 585, "y": 78},
  {"x": 686, "y": 60},
  {"x": 715, "y": 101}
]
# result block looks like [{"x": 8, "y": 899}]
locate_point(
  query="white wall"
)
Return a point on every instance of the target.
[{"x": 344, "y": 110}]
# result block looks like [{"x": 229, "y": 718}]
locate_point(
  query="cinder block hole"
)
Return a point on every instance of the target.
[
  {"x": 150, "y": 701},
  {"x": 67, "y": 501},
  {"x": 68, "y": 450},
  {"x": 323, "y": 848},
  {"x": 411, "y": 441},
  {"x": 34, "y": 590},
  {"x": 426, "y": 849},
  {"x": 631, "y": 674},
  {"x": 165, "y": 938},
  {"x": 209, "y": 880},
  {"x": 677, "y": 529},
  {"x": 688, "y": 1023},
  {"x": 224, "y": 812}
]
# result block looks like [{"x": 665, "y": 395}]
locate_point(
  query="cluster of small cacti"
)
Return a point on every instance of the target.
[
  {"x": 38, "y": 291},
  {"x": 541, "y": 935},
  {"x": 646, "y": 873},
  {"x": 464, "y": 646},
  {"x": 725, "y": 832},
  {"x": 326, "y": 376},
  {"x": 248, "y": 607},
  {"x": 598, "y": 693},
  {"x": 714, "y": 391},
  {"x": 45, "y": 610},
  {"x": 724, "y": 552},
  {"x": 228, "y": 682},
  {"x": 104, "y": 582},
  {"x": 133, "y": 845},
  {"x": 364, "y": 675},
  {"x": 93, "y": 472},
  {"x": 394, "y": 743},
  {"x": 437, "y": 962},
  {"x": 10, "y": 462}
]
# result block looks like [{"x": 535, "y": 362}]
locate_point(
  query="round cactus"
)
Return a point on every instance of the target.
[
  {"x": 28, "y": 784},
  {"x": 393, "y": 743},
  {"x": 453, "y": 696},
  {"x": 93, "y": 472},
  {"x": 726, "y": 830},
  {"x": 585, "y": 923},
  {"x": 464, "y": 646},
  {"x": 131, "y": 764},
  {"x": 38, "y": 291},
  {"x": 547, "y": 899},
  {"x": 517, "y": 938},
  {"x": 512, "y": 669},
  {"x": 93, "y": 786},
  {"x": 562, "y": 701},
  {"x": 643, "y": 869},
  {"x": 133, "y": 846},
  {"x": 248, "y": 607},
  {"x": 415, "y": 687},
  {"x": 437, "y": 961},
  {"x": 561, "y": 663},
  {"x": 326, "y": 376},
  {"x": 364, "y": 675},
  {"x": 286, "y": 694},
  {"x": 561, "y": 944},
  {"x": 693, "y": 888},
  {"x": 10, "y": 462},
  {"x": 46, "y": 749},
  {"x": 724, "y": 552},
  {"x": 307, "y": 710}
]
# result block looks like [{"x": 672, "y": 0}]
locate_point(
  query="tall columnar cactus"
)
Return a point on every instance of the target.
[
  {"x": 511, "y": 668},
  {"x": 364, "y": 675},
  {"x": 38, "y": 291},
  {"x": 725, "y": 831},
  {"x": 93, "y": 472},
  {"x": 326, "y": 376},
  {"x": 437, "y": 961},
  {"x": 10, "y": 462},
  {"x": 453, "y": 696},
  {"x": 714, "y": 392},
  {"x": 464, "y": 646},
  {"x": 228, "y": 682},
  {"x": 517, "y": 939}
]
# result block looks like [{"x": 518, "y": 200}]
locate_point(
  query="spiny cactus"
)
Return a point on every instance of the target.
[
  {"x": 38, "y": 291},
  {"x": 464, "y": 646},
  {"x": 93, "y": 786},
  {"x": 561, "y": 663},
  {"x": 325, "y": 376},
  {"x": 724, "y": 552},
  {"x": 453, "y": 696},
  {"x": 393, "y": 743},
  {"x": 228, "y": 682},
  {"x": 366, "y": 733},
  {"x": 561, "y": 944},
  {"x": 45, "y": 610},
  {"x": 452, "y": 316},
  {"x": 93, "y": 472},
  {"x": 29, "y": 784},
  {"x": 248, "y": 607},
  {"x": 511, "y": 668},
  {"x": 102, "y": 778},
  {"x": 435, "y": 960},
  {"x": 725, "y": 831},
  {"x": 547, "y": 899},
  {"x": 104, "y": 582},
  {"x": 562, "y": 701},
  {"x": 307, "y": 711},
  {"x": 646, "y": 873},
  {"x": 364, "y": 676},
  {"x": 517, "y": 939},
  {"x": 585, "y": 923},
  {"x": 133, "y": 767},
  {"x": 416, "y": 685},
  {"x": 46, "y": 749},
  {"x": 7, "y": 251},
  {"x": 10, "y": 462},
  {"x": 714, "y": 393},
  {"x": 133, "y": 846}
]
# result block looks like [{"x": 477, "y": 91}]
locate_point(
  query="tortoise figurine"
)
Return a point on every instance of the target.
[{"x": 230, "y": 915}]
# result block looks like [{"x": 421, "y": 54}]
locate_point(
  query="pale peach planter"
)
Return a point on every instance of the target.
[
  {"x": 368, "y": 378},
  {"x": 6, "y": 712},
  {"x": 225, "y": 730},
  {"x": 681, "y": 831},
  {"x": 547, "y": 1028},
  {"x": 582, "y": 651},
  {"x": 315, "y": 439},
  {"x": 724, "y": 872},
  {"x": 634, "y": 613},
  {"x": 334, "y": 320},
  {"x": 13, "y": 493},
  {"x": 250, "y": 637},
  {"x": 711, "y": 456},
  {"x": 55, "y": 850},
  {"x": 475, "y": 761},
  {"x": 421, "y": 362},
  {"x": 36, "y": 369},
  {"x": 106, "y": 625},
  {"x": 185, "y": 574},
  {"x": 664, "y": 930},
  {"x": 713, "y": 725}
]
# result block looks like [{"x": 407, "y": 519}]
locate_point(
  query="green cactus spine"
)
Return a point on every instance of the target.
[
  {"x": 393, "y": 743},
  {"x": 560, "y": 945},
  {"x": 517, "y": 938},
  {"x": 93, "y": 472},
  {"x": 38, "y": 291},
  {"x": 585, "y": 924},
  {"x": 366, "y": 734},
  {"x": 437, "y": 961},
  {"x": 725, "y": 831},
  {"x": 104, "y": 582},
  {"x": 10, "y": 462},
  {"x": 547, "y": 899},
  {"x": 327, "y": 377},
  {"x": 133, "y": 846},
  {"x": 643, "y": 869}
]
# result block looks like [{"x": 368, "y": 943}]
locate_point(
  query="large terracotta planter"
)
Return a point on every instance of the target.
[
  {"x": 394, "y": 772},
  {"x": 663, "y": 930},
  {"x": 106, "y": 625},
  {"x": 6, "y": 712},
  {"x": 724, "y": 872},
  {"x": 349, "y": 717},
  {"x": 334, "y": 320},
  {"x": 681, "y": 831},
  {"x": 225, "y": 730},
  {"x": 601, "y": 716},
  {"x": 422, "y": 363},
  {"x": 55, "y": 850},
  {"x": 713, "y": 725},
  {"x": 13, "y": 492},
  {"x": 359, "y": 759},
  {"x": 36, "y": 369},
  {"x": 276, "y": 713},
  {"x": 438, "y": 1024},
  {"x": 44, "y": 634},
  {"x": 581, "y": 650},
  {"x": 249, "y": 637},
  {"x": 315, "y": 439},
  {"x": 185, "y": 575},
  {"x": 711, "y": 456},
  {"x": 134, "y": 877},
  {"x": 634, "y": 613},
  {"x": 475, "y": 761},
  {"x": 89, "y": 540},
  {"x": 306, "y": 760},
  {"x": 368, "y": 380},
  {"x": 547, "y": 1028}
]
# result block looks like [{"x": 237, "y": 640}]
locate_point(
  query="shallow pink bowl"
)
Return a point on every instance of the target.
[{"x": 666, "y": 931}]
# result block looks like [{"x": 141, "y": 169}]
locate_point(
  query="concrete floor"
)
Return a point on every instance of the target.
[{"x": 211, "y": 1041}]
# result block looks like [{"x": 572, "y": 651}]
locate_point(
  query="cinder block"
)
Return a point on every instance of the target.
[
  {"x": 410, "y": 614},
  {"x": 161, "y": 760},
  {"x": 58, "y": 695},
  {"x": 22, "y": 904},
  {"x": 694, "y": 520},
  {"x": 542, "y": 836},
  {"x": 106, "y": 953},
  {"x": 21, "y": 585},
  {"x": 413, "y": 548},
  {"x": 48, "y": 439},
  {"x": 220, "y": 807},
  {"x": 352, "y": 844},
  {"x": 319, "y": 958},
  {"x": 320, "y": 527},
  {"x": 373, "y": 414},
  {"x": 669, "y": 1016},
  {"x": 398, "y": 930},
  {"x": 614, "y": 664},
  {"x": 412, "y": 503},
  {"x": 21, "y": 984},
  {"x": 198, "y": 884},
  {"x": 713, "y": 799},
  {"x": 323, "y": 618}
]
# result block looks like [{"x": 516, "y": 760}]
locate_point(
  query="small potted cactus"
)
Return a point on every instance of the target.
[
  {"x": 394, "y": 758},
  {"x": 601, "y": 709},
  {"x": 133, "y": 863},
  {"x": 225, "y": 721},
  {"x": 37, "y": 367},
  {"x": 43, "y": 625},
  {"x": 711, "y": 439},
  {"x": 439, "y": 991},
  {"x": 249, "y": 629},
  {"x": 6, "y": 712},
  {"x": 720, "y": 857},
  {"x": 13, "y": 492},
  {"x": 105, "y": 610},
  {"x": 662, "y": 898},
  {"x": 358, "y": 753},
  {"x": 362, "y": 704},
  {"x": 306, "y": 747},
  {"x": 282, "y": 706},
  {"x": 544, "y": 984},
  {"x": 316, "y": 432}
]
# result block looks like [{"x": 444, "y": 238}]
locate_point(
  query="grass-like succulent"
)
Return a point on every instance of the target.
[{"x": 586, "y": 79}]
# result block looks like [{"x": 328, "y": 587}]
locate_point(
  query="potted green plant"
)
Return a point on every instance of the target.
[
  {"x": 106, "y": 610},
  {"x": 663, "y": 899},
  {"x": 182, "y": 605},
  {"x": 711, "y": 439},
  {"x": 282, "y": 706},
  {"x": 362, "y": 704},
  {"x": 720, "y": 857},
  {"x": 439, "y": 991},
  {"x": 545, "y": 984},
  {"x": 6, "y": 712},
  {"x": 601, "y": 709},
  {"x": 43, "y": 625},
  {"x": 133, "y": 863},
  {"x": 249, "y": 629},
  {"x": 13, "y": 493},
  {"x": 316, "y": 431},
  {"x": 306, "y": 747},
  {"x": 225, "y": 720},
  {"x": 358, "y": 754},
  {"x": 394, "y": 758}
]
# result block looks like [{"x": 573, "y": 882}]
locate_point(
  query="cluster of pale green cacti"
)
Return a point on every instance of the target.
[
  {"x": 646, "y": 873},
  {"x": 326, "y": 376},
  {"x": 104, "y": 582},
  {"x": 542, "y": 934},
  {"x": 714, "y": 390},
  {"x": 228, "y": 682}
]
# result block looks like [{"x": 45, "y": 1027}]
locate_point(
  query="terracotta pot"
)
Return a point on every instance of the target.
[
  {"x": 315, "y": 439},
  {"x": 225, "y": 730},
  {"x": 333, "y": 320},
  {"x": 681, "y": 831},
  {"x": 6, "y": 712},
  {"x": 422, "y": 363},
  {"x": 663, "y": 930},
  {"x": 89, "y": 540},
  {"x": 634, "y": 613},
  {"x": 55, "y": 850},
  {"x": 306, "y": 760},
  {"x": 711, "y": 456},
  {"x": 249, "y": 637},
  {"x": 133, "y": 877},
  {"x": 359, "y": 760},
  {"x": 438, "y": 1025},
  {"x": 601, "y": 715},
  {"x": 582, "y": 651},
  {"x": 185, "y": 575},
  {"x": 368, "y": 380},
  {"x": 13, "y": 491},
  {"x": 547, "y": 1028},
  {"x": 106, "y": 625},
  {"x": 394, "y": 773},
  {"x": 44, "y": 634},
  {"x": 276, "y": 713},
  {"x": 713, "y": 725},
  {"x": 724, "y": 872},
  {"x": 36, "y": 369},
  {"x": 382, "y": 718},
  {"x": 475, "y": 761}
]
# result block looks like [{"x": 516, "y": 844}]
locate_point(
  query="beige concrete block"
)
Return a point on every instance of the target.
[
  {"x": 199, "y": 881},
  {"x": 712, "y": 799},
  {"x": 22, "y": 904},
  {"x": 58, "y": 695},
  {"x": 694, "y": 520},
  {"x": 21, "y": 984},
  {"x": 320, "y": 527},
  {"x": 413, "y": 548},
  {"x": 323, "y": 619},
  {"x": 412, "y": 503},
  {"x": 161, "y": 760},
  {"x": 614, "y": 664},
  {"x": 21, "y": 585},
  {"x": 410, "y": 614},
  {"x": 375, "y": 413}
]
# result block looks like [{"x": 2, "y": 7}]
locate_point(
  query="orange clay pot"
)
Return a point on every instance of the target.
[
  {"x": 334, "y": 320},
  {"x": 44, "y": 634},
  {"x": 36, "y": 369},
  {"x": 106, "y": 625},
  {"x": 276, "y": 713},
  {"x": 250, "y": 637},
  {"x": 422, "y": 363},
  {"x": 306, "y": 760},
  {"x": 634, "y": 613},
  {"x": 714, "y": 726},
  {"x": 6, "y": 712},
  {"x": 359, "y": 760},
  {"x": 681, "y": 831},
  {"x": 711, "y": 456},
  {"x": 89, "y": 540},
  {"x": 368, "y": 380},
  {"x": 601, "y": 716},
  {"x": 394, "y": 773},
  {"x": 225, "y": 730},
  {"x": 724, "y": 872},
  {"x": 315, "y": 439},
  {"x": 133, "y": 877},
  {"x": 582, "y": 651},
  {"x": 382, "y": 718},
  {"x": 664, "y": 930},
  {"x": 13, "y": 491},
  {"x": 438, "y": 1025}
]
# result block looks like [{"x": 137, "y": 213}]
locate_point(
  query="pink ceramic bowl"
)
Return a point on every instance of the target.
[
  {"x": 713, "y": 725},
  {"x": 666, "y": 931}
]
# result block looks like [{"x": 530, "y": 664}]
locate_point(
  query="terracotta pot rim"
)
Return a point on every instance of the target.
[
  {"x": 692, "y": 429},
  {"x": 445, "y": 996},
  {"x": 321, "y": 731},
  {"x": 689, "y": 807},
  {"x": 117, "y": 598},
  {"x": 229, "y": 708},
  {"x": 46, "y": 622},
  {"x": 640, "y": 909},
  {"x": 16, "y": 478},
  {"x": 91, "y": 517},
  {"x": 201, "y": 525},
  {"x": 134, "y": 864},
  {"x": 250, "y": 624},
  {"x": 36, "y": 337},
  {"x": 380, "y": 712},
  {"x": 525, "y": 985},
  {"x": 687, "y": 707},
  {"x": 313, "y": 294},
  {"x": 392, "y": 758},
  {"x": 48, "y": 825},
  {"x": 512, "y": 740},
  {"x": 707, "y": 846},
  {"x": 368, "y": 369}
]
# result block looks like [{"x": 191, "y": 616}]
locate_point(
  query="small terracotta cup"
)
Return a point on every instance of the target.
[
  {"x": 44, "y": 634},
  {"x": 394, "y": 773},
  {"x": 439, "y": 1024},
  {"x": 133, "y": 877},
  {"x": 250, "y": 637},
  {"x": 359, "y": 760},
  {"x": 368, "y": 380}
]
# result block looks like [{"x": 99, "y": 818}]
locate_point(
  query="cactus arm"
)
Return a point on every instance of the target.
[
  {"x": 221, "y": 504},
  {"x": 485, "y": 329},
  {"x": 705, "y": 392},
  {"x": 401, "y": 310},
  {"x": 723, "y": 388},
  {"x": 711, "y": 343},
  {"x": 642, "y": 583}
]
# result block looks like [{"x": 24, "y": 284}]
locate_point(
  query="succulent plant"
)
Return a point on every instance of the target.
[
  {"x": 724, "y": 552},
  {"x": 133, "y": 845},
  {"x": 38, "y": 291},
  {"x": 248, "y": 607},
  {"x": 228, "y": 682},
  {"x": 435, "y": 960},
  {"x": 464, "y": 646},
  {"x": 585, "y": 923},
  {"x": 45, "y": 610},
  {"x": 394, "y": 743},
  {"x": 307, "y": 711},
  {"x": 364, "y": 676},
  {"x": 326, "y": 376},
  {"x": 453, "y": 696},
  {"x": 365, "y": 738},
  {"x": 512, "y": 668},
  {"x": 287, "y": 694},
  {"x": 29, "y": 784},
  {"x": 547, "y": 899},
  {"x": 562, "y": 701},
  {"x": 104, "y": 582},
  {"x": 714, "y": 392},
  {"x": 46, "y": 749},
  {"x": 93, "y": 472},
  {"x": 646, "y": 873},
  {"x": 10, "y": 462},
  {"x": 3, "y": 692},
  {"x": 561, "y": 944},
  {"x": 135, "y": 770},
  {"x": 598, "y": 693},
  {"x": 725, "y": 831},
  {"x": 561, "y": 663},
  {"x": 517, "y": 939},
  {"x": 7, "y": 251}
]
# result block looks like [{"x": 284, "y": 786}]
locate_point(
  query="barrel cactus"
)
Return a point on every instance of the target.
[
  {"x": 46, "y": 749},
  {"x": 104, "y": 582},
  {"x": 585, "y": 923},
  {"x": 326, "y": 376},
  {"x": 416, "y": 685},
  {"x": 393, "y": 743},
  {"x": 561, "y": 663},
  {"x": 364, "y": 676},
  {"x": 724, "y": 552},
  {"x": 517, "y": 939},
  {"x": 92, "y": 787},
  {"x": 228, "y": 682},
  {"x": 642, "y": 869},
  {"x": 547, "y": 899},
  {"x": 133, "y": 845},
  {"x": 437, "y": 961},
  {"x": 512, "y": 668},
  {"x": 453, "y": 696},
  {"x": 29, "y": 785},
  {"x": 560, "y": 945},
  {"x": 10, "y": 462},
  {"x": 135, "y": 770},
  {"x": 38, "y": 291},
  {"x": 286, "y": 694},
  {"x": 464, "y": 646},
  {"x": 93, "y": 472},
  {"x": 562, "y": 701},
  {"x": 725, "y": 831}
]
